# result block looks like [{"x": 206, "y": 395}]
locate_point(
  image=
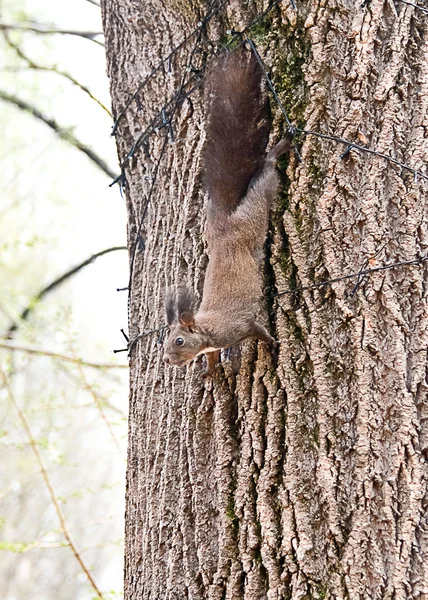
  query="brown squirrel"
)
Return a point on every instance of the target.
[{"x": 242, "y": 183}]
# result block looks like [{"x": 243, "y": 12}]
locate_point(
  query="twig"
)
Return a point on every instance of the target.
[
  {"x": 73, "y": 377},
  {"x": 54, "y": 284},
  {"x": 60, "y": 131},
  {"x": 5, "y": 343},
  {"x": 89, "y": 388},
  {"x": 35, "y": 66},
  {"x": 49, "y": 486},
  {"x": 88, "y": 35}
]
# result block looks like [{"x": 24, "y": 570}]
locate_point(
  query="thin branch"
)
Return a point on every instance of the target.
[
  {"x": 48, "y": 483},
  {"x": 60, "y": 131},
  {"x": 94, "y": 3},
  {"x": 54, "y": 284},
  {"x": 98, "y": 401},
  {"x": 5, "y": 343},
  {"x": 88, "y": 35},
  {"x": 35, "y": 66},
  {"x": 71, "y": 375}
]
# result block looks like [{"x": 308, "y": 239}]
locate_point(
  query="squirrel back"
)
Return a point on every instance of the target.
[
  {"x": 242, "y": 183},
  {"x": 237, "y": 130}
]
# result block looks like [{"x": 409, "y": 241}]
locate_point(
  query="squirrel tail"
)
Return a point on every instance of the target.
[{"x": 237, "y": 130}]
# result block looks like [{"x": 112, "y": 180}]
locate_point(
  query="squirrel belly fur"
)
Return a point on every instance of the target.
[{"x": 242, "y": 183}]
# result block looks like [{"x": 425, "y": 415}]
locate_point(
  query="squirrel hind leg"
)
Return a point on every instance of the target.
[
  {"x": 281, "y": 147},
  {"x": 262, "y": 334}
]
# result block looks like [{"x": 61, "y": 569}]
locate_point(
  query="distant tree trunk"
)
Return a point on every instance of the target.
[{"x": 307, "y": 479}]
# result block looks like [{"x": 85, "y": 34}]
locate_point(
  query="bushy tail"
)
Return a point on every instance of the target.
[{"x": 237, "y": 130}]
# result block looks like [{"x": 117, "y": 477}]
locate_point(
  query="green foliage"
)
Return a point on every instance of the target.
[{"x": 18, "y": 547}]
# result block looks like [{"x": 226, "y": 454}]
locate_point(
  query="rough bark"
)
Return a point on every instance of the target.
[{"x": 305, "y": 479}]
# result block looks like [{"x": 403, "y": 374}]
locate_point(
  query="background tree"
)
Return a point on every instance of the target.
[
  {"x": 62, "y": 400},
  {"x": 306, "y": 478}
]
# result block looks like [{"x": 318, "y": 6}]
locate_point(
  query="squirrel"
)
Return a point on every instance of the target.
[{"x": 241, "y": 182}]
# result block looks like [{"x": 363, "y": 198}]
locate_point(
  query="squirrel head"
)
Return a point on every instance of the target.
[{"x": 185, "y": 340}]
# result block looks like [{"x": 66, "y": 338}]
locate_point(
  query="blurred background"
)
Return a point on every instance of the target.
[{"x": 63, "y": 393}]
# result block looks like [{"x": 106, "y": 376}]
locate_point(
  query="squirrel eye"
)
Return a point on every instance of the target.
[{"x": 179, "y": 341}]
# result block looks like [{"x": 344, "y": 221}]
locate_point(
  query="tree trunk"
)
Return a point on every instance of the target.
[{"x": 306, "y": 478}]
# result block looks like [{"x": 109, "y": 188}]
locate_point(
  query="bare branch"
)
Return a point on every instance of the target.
[
  {"x": 48, "y": 483},
  {"x": 54, "y": 284},
  {"x": 35, "y": 66},
  {"x": 60, "y": 131},
  {"x": 8, "y": 345},
  {"x": 34, "y": 28},
  {"x": 98, "y": 401},
  {"x": 105, "y": 401}
]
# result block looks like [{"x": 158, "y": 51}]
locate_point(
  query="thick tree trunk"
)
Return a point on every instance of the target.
[{"x": 305, "y": 479}]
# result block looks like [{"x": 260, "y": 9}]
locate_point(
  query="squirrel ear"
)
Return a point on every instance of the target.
[
  {"x": 186, "y": 302},
  {"x": 170, "y": 307},
  {"x": 187, "y": 319}
]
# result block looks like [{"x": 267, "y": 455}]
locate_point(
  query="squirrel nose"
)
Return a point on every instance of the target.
[{"x": 166, "y": 359}]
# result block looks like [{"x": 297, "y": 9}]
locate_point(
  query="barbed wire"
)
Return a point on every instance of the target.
[
  {"x": 159, "y": 121},
  {"x": 164, "y": 61},
  {"x": 168, "y": 123},
  {"x": 167, "y": 59},
  {"x": 131, "y": 343},
  {"x": 350, "y": 145},
  {"x": 360, "y": 274},
  {"x": 164, "y": 119}
]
